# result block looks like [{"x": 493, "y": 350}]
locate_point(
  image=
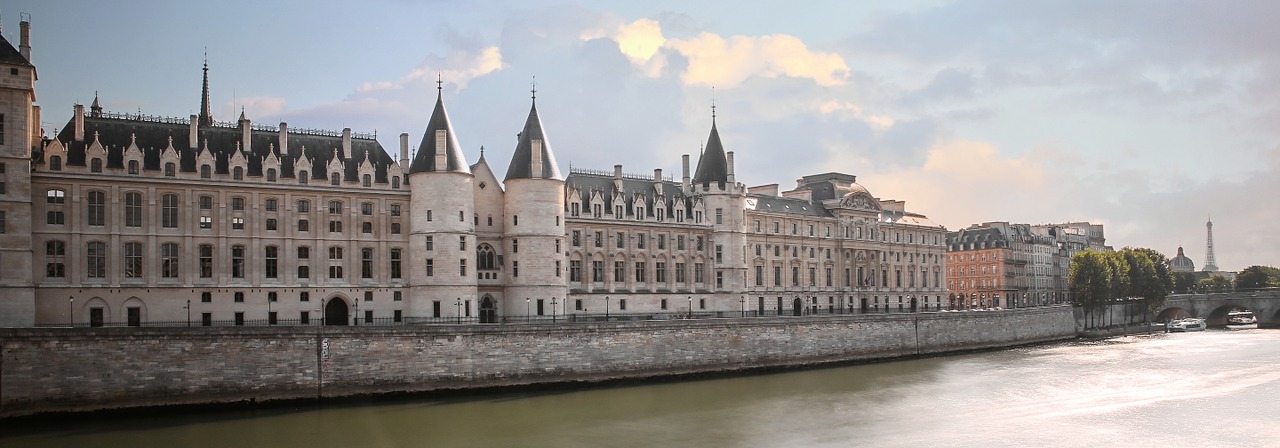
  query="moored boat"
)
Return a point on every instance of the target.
[
  {"x": 1241, "y": 320},
  {"x": 1188, "y": 324}
]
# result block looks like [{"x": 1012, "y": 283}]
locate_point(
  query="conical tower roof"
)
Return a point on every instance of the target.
[
  {"x": 713, "y": 166},
  {"x": 425, "y": 160},
  {"x": 520, "y": 161}
]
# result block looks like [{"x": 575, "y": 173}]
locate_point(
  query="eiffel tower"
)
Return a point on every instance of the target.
[{"x": 1210, "y": 262}]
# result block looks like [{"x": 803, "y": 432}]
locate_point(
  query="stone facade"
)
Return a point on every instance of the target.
[
  {"x": 123, "y": 219},
  {"x": 47, "y": 370},
  {"x": 999, "y": 264}
]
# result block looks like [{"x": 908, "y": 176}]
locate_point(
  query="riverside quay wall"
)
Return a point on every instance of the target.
[{"x": 84, "y": 369}]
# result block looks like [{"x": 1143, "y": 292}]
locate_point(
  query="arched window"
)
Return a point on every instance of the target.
[
  {"x": 485, "y": 258},
  {"x": 55, "y": 163}
]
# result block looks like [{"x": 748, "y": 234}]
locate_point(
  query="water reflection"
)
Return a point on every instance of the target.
[{"x": 1136, "y": 391}]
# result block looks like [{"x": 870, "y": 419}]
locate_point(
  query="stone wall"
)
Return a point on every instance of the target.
[{"x": 50, "y": 370}]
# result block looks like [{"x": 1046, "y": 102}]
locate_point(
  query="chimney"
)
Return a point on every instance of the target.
[
  {"x": 24, "y": 45},
  {"x": 729, "y": 155},
  {"x": 617, "y": 177},
  {"x": 193, "y": 140},
  {"x": 404, "y": 151},
  {"x": 684, "y": 183},
  {"x": 79, "y": 117},
  {"x": 246, "y": 134},
  {"x": 657, "y": 181},
  {"x": 284, "y": 139},
  {"x": 346, "y": 143},
  {"x": 535, "y": 159},
  {"x": 37, "y": 132}
]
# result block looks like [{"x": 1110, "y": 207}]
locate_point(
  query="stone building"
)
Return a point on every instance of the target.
[
  {"x": 132, "y": 219},
  {"x": 1181, "y": 263},
  {"x": 1014, "y": 265}
]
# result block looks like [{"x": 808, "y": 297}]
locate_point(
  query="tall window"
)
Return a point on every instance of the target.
[
  {"x": 95, "y": 165},
  {"x": 133, "y": 209},
  {"x": 272, "y": 255},
  {"x": 271, "y": 175},
  {"x": 169, "y": 260},
  {"x": 395, "y": 263},
  {"x": 206, "y": 172},
  {"x": 169, "y": 211},
  {"x": 304, "y": 256},
  {"x": 206, "y": 261},
  {"x": 132, "y": 260},
  {"x": 96, "y": 260},
  {"x": 237, "y": 261},
  {"x": 55, "y": 163},
  {"x": 335, "y": 178},
  {"x": 97, "y": 208},
  {"x": 303, "y": 177},
  {"x": 335, "y": 262},
  {"x": 170, "y": 169},
  {"x": 237, "y": 173},
  {"x": 335, "y": 207},
  {"x": 54, "y": 200},
  {"x": 366, "y": 262},
  {"x": 55, "y": 259}
]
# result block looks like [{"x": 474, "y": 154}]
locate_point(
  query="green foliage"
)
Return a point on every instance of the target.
[
  {"x": 1099, "y": 277},
  {"x": 1184, "y": 282},
  {"x": 1090, "y": 279},
  {"x": 1258, "y": 277},
  {"x": 1216, "y": 283},
  {"x": 1149, "y": 276}
]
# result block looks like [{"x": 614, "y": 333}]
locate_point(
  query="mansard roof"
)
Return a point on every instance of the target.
[
  {"x": 115, "y": 131},
  {"x": 713, "y": 166},
  {"x": 10, "y": 55},
  {"x": 519, "y": 168},
  {"x": 589, "y": 181},
  {"x": 425, "y": 160},
  {"x": 790, "y": 206}
]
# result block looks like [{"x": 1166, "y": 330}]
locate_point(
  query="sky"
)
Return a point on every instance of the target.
[{"x": 1146, "y": 116}]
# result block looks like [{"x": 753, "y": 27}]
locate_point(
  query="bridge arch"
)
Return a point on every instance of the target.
[
  {"x": 1218, "y": 316},
  {"x": 1173, "y": 313}
]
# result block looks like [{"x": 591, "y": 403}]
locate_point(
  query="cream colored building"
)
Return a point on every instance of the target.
[{"x": 124, "y": 219}]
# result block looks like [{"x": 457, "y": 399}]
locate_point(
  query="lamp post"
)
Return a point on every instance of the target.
[
  {"x": 459, "y": 313},
  {"x": 71, "y": 314},
  {"x": 553, "y": 309},
  {"x": 268, "y": 312},
  {"x": 528, "y": 316},
  {"x": 691, "y": 307},
  {"x": 355, "y": 320},
  {"x": 188, "y": 308},
  {"x": 742, "y": 305},
  {"x": 606, "y": 308}
]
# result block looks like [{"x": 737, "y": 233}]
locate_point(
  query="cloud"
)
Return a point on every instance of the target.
[
  {"x": 458, "y": 68},
  {"x": 844, "y": 109},
  {"x": 713, "y": 60}
]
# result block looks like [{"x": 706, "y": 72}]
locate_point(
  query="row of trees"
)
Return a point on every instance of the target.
[
  {"x": 1251, "y": 278},
  {"x": 1101, "y": 278}
]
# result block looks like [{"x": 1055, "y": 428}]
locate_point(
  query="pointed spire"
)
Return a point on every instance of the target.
[
  {"x": 95, "y": 109},
  {"x": 450, "y": 158},
  {"x": 522, "y": 161},
  {"x": 242, "y": 118},
  {"x": 713, "y": 165},
  {"x": 206, "y": 112}
]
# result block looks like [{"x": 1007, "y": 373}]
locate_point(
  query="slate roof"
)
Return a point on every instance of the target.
[
  {"x": 976, "y": 239},
  {"x": 713, "y": 166},
  {"x": 425, "y": 160},
  {"x": 519, "y": 168},
  {"x": 630, "y": 187},
  {"x": 791, "y": 206},
  {"x": 115, "y": 131},
  {"x": 11, "y": 55}
]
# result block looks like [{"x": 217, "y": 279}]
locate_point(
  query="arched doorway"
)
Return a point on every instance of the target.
[
  {"x": 796, "y": 307},
  {"x": 488, "y": 314},
  {"x": 335, "y": 312}
]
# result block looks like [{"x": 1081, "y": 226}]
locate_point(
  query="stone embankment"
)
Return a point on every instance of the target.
[{"x": 70, "y": 370}]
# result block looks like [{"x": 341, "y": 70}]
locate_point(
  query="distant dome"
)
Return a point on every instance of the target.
[{"x": 1181, "y": 263}]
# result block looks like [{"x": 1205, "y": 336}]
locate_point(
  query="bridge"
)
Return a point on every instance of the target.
[{"x": 1264, "y": 303}]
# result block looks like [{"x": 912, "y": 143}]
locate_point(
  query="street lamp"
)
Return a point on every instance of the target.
[
  {"x": 553, "y": 309},
  {"x": 742, "y": 305},
  {"x": 71, "y": 315},
  {"x": 459, "y": 303},
  {"x": 268, "y": 312},
  {"x": 606, "y": 308},
  {"x": 188, "y": 308},
  {"x": 691, "y": 307},
  {"x": 527, "y": 314},
  {"x": 355, "y": 320}
]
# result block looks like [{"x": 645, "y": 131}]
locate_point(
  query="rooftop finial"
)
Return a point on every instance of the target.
[
  {"x": 481, "y": 151},
  {"x": 713, "y": 103},
  {"x": 534, "y": 87},
  {"x": 206, "y": 111},
  {"x": 439, "y": 81}
]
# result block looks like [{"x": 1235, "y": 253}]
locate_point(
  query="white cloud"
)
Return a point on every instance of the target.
[
  {"x": 458, "y": 68},
  {"x": 848, "y": 110},
  {"x": 714, "y": 60}
]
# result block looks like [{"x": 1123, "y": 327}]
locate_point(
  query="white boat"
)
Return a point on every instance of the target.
[
  {"x": 1241, "y": 320},
  {"x": 1188, "y": 324}
]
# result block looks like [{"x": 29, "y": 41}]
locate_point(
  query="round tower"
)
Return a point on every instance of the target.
[
  {"x": 724, "y": 202},
  {"x": 442, "y": 260},
  {"x": 533, "y": 233}
]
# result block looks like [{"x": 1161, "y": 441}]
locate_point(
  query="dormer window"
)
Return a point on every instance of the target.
[
  {"x": 133, "y": 167},
  {"x": 335, "y": 178},
  {"x": 395, "y": 183},
  {"x": 95, "y": 165},
  {"x": 55, "y": 163},
  {"x": 206, "y": 172},
  {"x": 271, "y": 175},
  {"x": 170, "y": 170},
  {"x": 237, "y": 173},
  {"x": 303, "y": 178},
  {"x": 366, "y": 181}
]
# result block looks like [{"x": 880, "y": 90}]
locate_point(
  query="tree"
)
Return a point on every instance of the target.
[
  {"x": 1184, "y": 282},
  {"x": 1216, "y": 283},
  {"x": 1150, "y": 276},
  {"x": 1254, "y": 277},
  {"x": 1090, "y": 281}
]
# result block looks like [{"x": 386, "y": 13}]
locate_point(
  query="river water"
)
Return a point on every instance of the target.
[{"x": 1212, "y": 388}]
